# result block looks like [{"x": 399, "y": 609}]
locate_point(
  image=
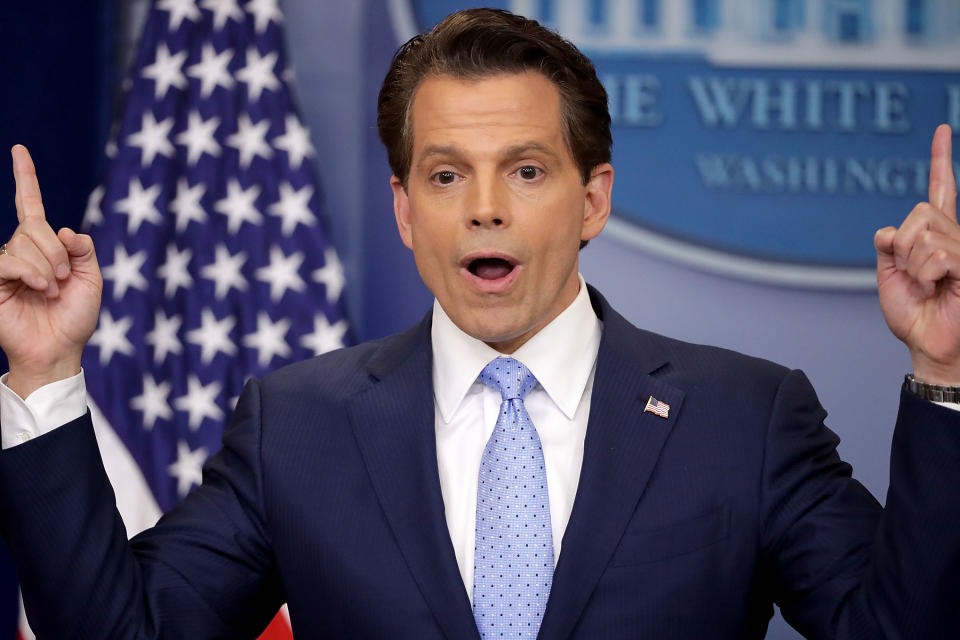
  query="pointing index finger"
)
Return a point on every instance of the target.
[
  {"x": 29, "y": 202},
  {"x": 943, "y": 184}
]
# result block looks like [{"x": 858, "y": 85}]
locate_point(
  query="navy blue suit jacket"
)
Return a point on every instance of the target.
[{"x": 326, "y": 495}]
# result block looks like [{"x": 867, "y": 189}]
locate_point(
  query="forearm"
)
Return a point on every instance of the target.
[
  {"x": 204, "y": 571},
  {"x": 840, "y": 566},
  {"x": 66, "y": 537},
  {"x": 915, "y": 565}
]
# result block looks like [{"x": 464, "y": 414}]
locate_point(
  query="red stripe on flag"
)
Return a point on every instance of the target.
[{"x": 279, "y": 629}]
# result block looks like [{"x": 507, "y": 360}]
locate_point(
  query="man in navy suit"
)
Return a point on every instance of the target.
[{"x": 689, "y": 487}]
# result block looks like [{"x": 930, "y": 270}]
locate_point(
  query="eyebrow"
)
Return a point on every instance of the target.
[
  {"x": 510, "y": 152},
  {"x": 438, "y": 150},
  {"x": 527, "y": 147}
]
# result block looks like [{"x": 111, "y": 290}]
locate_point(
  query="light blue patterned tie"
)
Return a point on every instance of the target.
[{"x": 513, "y": 560}]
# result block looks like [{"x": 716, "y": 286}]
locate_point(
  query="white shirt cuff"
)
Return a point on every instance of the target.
[{"x": 42, "y": 411}]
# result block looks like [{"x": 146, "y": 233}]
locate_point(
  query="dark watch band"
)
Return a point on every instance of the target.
[{"x": 935, "y": 392}]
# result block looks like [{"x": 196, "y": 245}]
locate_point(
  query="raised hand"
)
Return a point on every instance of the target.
[
  {"x": 918, "y": 273},
  {"x": 50, "y": 288}
]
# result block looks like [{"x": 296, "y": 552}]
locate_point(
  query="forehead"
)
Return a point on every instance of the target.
[{"x": 501, "y": 109}]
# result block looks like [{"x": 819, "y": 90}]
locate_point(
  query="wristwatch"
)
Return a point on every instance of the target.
[{"x": 935, "y": 392}]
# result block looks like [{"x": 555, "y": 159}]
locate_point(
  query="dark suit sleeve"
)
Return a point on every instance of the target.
[
  {"x": 839, "y": 566},
  {"x": 205, "y": 571}
]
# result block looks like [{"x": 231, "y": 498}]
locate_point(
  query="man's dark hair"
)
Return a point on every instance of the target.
[{"x": 478, "y": 43}]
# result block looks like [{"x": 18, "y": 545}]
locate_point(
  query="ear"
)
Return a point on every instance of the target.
[
  {"x": 597, "y": 198},
  {"x": 401, "y": 211}
]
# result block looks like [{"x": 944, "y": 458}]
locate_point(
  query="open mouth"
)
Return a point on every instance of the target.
[
  {"x": 491, "y": 268},
  {"x": 490, "y": 271}
]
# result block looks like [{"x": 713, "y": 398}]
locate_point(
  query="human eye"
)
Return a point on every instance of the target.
[
  {"x": 444, "y": 178},
  {"x": 529, "y": 173}
]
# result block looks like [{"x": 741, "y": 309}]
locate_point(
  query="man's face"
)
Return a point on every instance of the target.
[{"x": 495, "y": 208}]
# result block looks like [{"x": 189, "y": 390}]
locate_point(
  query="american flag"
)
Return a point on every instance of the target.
[
  {"x": 216, "y": 265},
  {"x": 657, "y": 407}
]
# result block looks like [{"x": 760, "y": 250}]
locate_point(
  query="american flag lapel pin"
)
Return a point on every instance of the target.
[{"x": 656, "y": 407}]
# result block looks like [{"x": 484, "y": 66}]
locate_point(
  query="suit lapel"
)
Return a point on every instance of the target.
[
  {"x": 394, "y": 425},
  {"x": 621, "y": 449}
]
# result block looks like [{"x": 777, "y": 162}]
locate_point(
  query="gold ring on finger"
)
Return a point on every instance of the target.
[{"x": 3, "y": 249}]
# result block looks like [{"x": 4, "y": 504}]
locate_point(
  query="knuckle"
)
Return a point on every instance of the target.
[
  {"x": 925, "y": 209},
  {"x": 17, "y": 241},
  {"x": 32, "y": 199},
  {"x": 901, "y": 244},
  {"x": 30, "y": 225},
  {"x": 41, "y": 226},
  {"x": 86, "y": 242},
  {"x": 55, "y": 246}
]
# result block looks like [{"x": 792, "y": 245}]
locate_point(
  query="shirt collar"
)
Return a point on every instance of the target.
[{"x": 561, "y": 356}]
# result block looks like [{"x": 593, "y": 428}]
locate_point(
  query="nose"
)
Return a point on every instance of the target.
[{"x": 489, "y": 203}]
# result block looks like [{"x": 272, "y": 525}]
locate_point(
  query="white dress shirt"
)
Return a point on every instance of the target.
[
  {"x": 562, "y": 357},
  {"x": 43, "y": 410}
]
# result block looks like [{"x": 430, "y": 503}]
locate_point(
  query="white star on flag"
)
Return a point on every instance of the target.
[
  {"x": 263, "y": 12},
  {"x": 239, "y": 206},
  {"x": 139, "y": 205},
  {"x": 293, "y": 207},
  {"x": 93, "y": 215},
  {"x": 212, "y": 70},
  {"x": 223, "y": 10},
  {"x": 199, "y": 137},
  {"x": 125, "y": 271},
  {"x": 199, "y": 402},
  {"x": 111, "y": 336},
  {"x": 163, "y": 337},
  {"x": 281, "y": 274},
  {"x": 269, "y": 339},
  {"x": 174, "y": 271},
  {"x": 188, "y": 469},
  {"x": 166, "y": 71},
  {"x": 152, "y": 139},
  {"x": 186, "y": 205},
  {"x": 250, "y": 140},
  {"x": 258, "y": 73},
  {"x": 325, "y": 337},
  {"x": 330, "y": 275},
  {"x": 226, "y": 271},
  {"x": 295, "y": 141},
  {"x": 180, "y": 10},
  {"x": 213, "y": 336},
  {"x": 153, "y": 401}
]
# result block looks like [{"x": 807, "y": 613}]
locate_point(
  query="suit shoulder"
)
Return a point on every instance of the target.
[
  {"x": 341, "y": 371},
  {"x": 345, "y": 371},
  {"x": 679, "y": 359},
  {"x": 718, "y": 367}
]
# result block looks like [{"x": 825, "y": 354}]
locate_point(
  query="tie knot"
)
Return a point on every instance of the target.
[{"x": 508, "y": 376}]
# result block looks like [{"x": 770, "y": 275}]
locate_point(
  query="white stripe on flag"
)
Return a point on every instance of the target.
[{"x": 135, "y": 502}]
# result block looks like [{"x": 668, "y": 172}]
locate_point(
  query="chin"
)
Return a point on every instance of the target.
[
  {"x": 490, "y": 320},
  {"x": 494, "y": 332}
]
